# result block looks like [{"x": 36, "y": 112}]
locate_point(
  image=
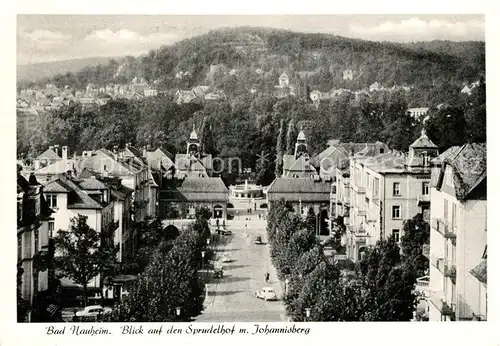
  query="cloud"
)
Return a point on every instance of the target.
[
  {"x": 45, "y": 36},
  {"x": 414, "y": 29},
  {"x": 125, "y": 36}
]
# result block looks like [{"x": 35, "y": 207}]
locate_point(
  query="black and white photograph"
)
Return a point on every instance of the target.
[{"x": 250, "y": 168}]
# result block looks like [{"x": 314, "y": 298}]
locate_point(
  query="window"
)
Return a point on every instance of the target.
[
  {"x": 302, "y": 210},
  {"x": 295, "y": 176},
  {"x": 334, "y": 189},
  {"x": 381, "y": 150},
  {"x": 19, "y": 210},
  {"x": 425, "y": 188},
  {"x": 375, "y": 187},
  {"x": 35, "y": 281},
  {"x": 51, "y": 200},
  {"x": 445, "y": 211},
  {"x": 396, "y": 189},
  {"x": 396, "y": 212},
  {"x": 425, "y": 158},
  {"x": 395, "y": 235},
  {"x": 51, "y": 229},
  {"x": 453, "y": 215},
  {"x": 36, "y": 241}
]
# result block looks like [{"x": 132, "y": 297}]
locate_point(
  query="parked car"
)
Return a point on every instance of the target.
[
  {"x": 226, "y": 257},
  {"x": 225, "y": 232},
  {"x": 92, "y": 310},
  {"x": 266, "y": 293},
  {"x": 258, "y": 240}
]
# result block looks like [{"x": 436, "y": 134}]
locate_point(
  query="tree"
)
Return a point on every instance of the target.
[
  {"x": 280, "y": 149},
  {"x": 206, "y": 137},
  {"x": 310, "y": 221},
  {"x": 84, "y": 253},
  {"x": 416, "y": 233},
  {"x": 290, "y": 138},
  {"x": 389, "y": 284}
]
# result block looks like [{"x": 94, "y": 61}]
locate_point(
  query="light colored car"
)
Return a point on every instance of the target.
[
  {"x": 258, "y": 240},
  {"x": 92, "y": 310},
  {"x": 226, "y": 258},
  {"x": 266, "y": 293}
]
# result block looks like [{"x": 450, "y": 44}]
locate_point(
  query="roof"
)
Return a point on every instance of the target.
[
  {"x": 48, "y": 154},
  {"x": 302, "y": 165},
  {"x": 187, "y": 162},
  {"x": 92, "y": 184},
  {"x": 480, "y": 271},
  {"x": 283, "y": 75},
  {"x": 77, "y": 198},
  {"x": 193, "y": 135},
  {"x": 305, "y": 189},
  {"x": 469, "y": 169},
  {"x": 385, "y": 163},
  {"x": 447, "y": 153},
  {"x": 197, "y": 189},
  {"x": 60, "y": 166},
  {"x": 301, "y": 136},
  {"x": 423, "y": 142},
  {"x": 56, "y": 186}
]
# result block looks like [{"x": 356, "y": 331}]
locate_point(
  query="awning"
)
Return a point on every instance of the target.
[{"x": 480, "y": 272}]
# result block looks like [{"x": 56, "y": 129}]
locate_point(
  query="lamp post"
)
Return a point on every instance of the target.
[
  {"x": 203, "y": 263},
  {"x": 308, "y": 313}
]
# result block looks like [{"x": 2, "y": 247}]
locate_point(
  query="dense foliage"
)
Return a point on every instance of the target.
[
  {"x": 382, "y": 288},
  {"x": 83, "y": 253}
]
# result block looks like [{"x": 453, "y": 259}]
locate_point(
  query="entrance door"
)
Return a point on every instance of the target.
[{"x": 218, "y": 212}]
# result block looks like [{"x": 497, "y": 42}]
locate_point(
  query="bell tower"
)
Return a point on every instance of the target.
[
  {"x": 193, "y": 144},
  {"x": 301, "y": 145}
]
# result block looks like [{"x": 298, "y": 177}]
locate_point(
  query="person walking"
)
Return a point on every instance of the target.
[{"x": 267, "y": 277}]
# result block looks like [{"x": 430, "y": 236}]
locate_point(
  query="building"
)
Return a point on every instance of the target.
[
  {"x": 417, "y": 113},
  {"x": 298, "y": 165},
  {"x": 283, "y": 80},
  {"x": 385, "y": 190},
  {"x": 33, "y": 253},
  {"x": 458, "y": 235},
  {"x": 194, "y": 163},
  {"x": 301, "y": 186},
  {"x": 189, "y": 194}
]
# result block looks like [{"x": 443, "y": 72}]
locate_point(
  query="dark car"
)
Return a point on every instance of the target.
[{"x": 258, "y": 240}]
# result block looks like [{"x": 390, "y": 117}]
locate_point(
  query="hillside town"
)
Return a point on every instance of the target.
[{"x": 248, "y": 195}]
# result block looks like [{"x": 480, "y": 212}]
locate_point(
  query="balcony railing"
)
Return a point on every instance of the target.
[
  {"x": 426, "y": 250},
  {"x": 423, "y": 199},
  {"x": 450, "y": 234},
  {"x": 439, "y": 225},
  {"x": 450, "y": 271},
  {"x": 444, "y": 307},
  {"x": 438, "y": 262},
  {"x": 359, "y": 189}
]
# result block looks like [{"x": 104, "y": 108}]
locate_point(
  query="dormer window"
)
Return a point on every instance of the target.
[{"x": 295, "y": 176}]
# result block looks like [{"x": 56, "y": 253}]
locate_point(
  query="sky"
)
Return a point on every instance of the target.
[{"x": 42, "y": 38}]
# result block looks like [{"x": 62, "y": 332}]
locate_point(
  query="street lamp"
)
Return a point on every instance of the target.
[
  {"x": 203, "y": 262},
  {"x": 178, "y": 311},
  {"x": 308, "y": 313}
]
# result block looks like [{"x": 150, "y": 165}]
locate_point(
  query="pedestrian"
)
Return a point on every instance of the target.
[{"x": 267, "y": 277}]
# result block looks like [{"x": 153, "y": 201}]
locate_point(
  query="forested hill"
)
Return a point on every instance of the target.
[{"x": 316, "y": 60}]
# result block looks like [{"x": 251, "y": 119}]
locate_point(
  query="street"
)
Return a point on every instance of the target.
[{"x": 232, "y": 297}]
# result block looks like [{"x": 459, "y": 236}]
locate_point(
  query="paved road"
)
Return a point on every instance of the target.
[{"x": 232, "y": 298}]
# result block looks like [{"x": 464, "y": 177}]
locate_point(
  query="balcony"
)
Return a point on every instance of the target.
[
  {"x": 359, "y": 189},
  {"x": 423, "y": 199},
  {"x": 362, "y": 212},
  {"x": 444, "y": 307},
  {"x": 450, "y": 271},
  {"x": 438, "y": 263},
  {"x": 439, "y": 225},
  {"x": 451, "y": 234}
]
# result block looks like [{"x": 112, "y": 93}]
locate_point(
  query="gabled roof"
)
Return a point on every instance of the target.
[
  {"x": 302, "y": 165},
  {"x": 60, "y": 166},
  {"x": 295, "y": 189},
  {"x": 77, "y": 198},
  {"x": 423, "y": 142},
  {"x": 480, "y": 271},
  {"x": 188, "y": 162},
  {"x": 197, "y": 189},
  {"x": 91, "y": 184},
  {"x": 56, "y": 186},
  {"x": 48, "y": 154},
  {"x": 469, "y": 170}
]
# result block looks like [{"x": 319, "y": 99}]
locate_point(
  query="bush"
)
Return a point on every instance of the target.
[
  {"x": 263, "y": 206},
  {"x": 230, "y": 217},
  {"x": 230, "y": 205}
]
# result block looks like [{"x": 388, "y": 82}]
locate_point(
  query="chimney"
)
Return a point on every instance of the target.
[
  {"x": 115, "y": 148},
  {"x": 64, "y": 152},
  {"x": 37, "y": 164},
  {"x": 51, "y": 147},
  {"x": 126, "y": 145}
]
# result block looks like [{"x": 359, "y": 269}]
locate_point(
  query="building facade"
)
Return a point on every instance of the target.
[
  {"x": 385, "y": 190},
  {"x": 458, "y": 235}
]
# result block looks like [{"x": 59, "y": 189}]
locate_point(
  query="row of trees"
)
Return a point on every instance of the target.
[
  {"x": 381, "y": 288},
  {"x": 167, "y": 264}
]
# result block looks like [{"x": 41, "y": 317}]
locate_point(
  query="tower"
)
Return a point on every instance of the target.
[
  {"x": 193, "y": 144},
  {"x": 301, "y": 145},
  {"x": 421, "y": 152}
]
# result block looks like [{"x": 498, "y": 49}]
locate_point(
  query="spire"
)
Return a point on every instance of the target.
[
  {"x": 423, "y": 134},
  {"x": 193, "y": 135},
  {"x": 301, "y": 136}
]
